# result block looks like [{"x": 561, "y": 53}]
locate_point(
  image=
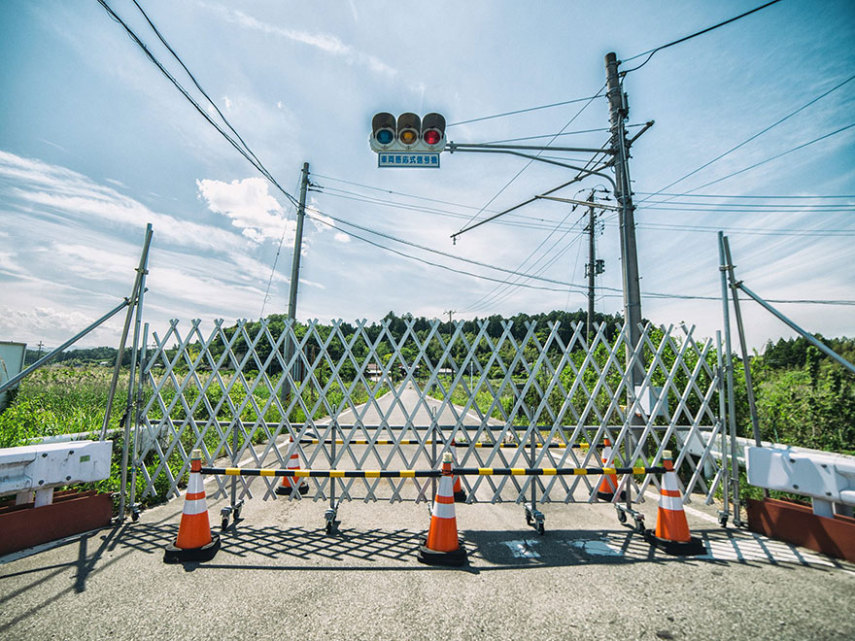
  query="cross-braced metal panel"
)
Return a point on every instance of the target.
[{"x": 399, "y": 394}]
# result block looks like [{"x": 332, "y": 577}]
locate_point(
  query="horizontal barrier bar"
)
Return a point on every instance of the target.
[
  {"x": 557, "y": 446},
  {"x": 461, "y": 471},
  {"x": 411, "y": 441},
  {"x": 366, "y": 441}
]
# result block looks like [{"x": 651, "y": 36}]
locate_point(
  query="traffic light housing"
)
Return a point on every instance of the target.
[{"x": 407, "y": 133}]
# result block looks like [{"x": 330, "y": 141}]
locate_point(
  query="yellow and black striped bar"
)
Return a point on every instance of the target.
[
  {"x": 412, "y": 441},
  {"x": 552, "y": 446},
  {"x": 365, "y": 441},
  {"x": 460, "y": 471}
]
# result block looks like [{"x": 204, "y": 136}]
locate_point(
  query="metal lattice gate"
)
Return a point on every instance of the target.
[{"x": 400, "y": 394}]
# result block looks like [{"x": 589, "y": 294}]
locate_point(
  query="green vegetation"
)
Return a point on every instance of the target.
[{"x": 803, "y": 397}]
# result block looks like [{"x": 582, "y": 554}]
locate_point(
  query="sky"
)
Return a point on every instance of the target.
[{"x": 753, "y": 136}]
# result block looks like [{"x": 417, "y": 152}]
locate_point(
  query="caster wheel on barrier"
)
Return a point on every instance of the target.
[
  {"x": 639, "y": 525},
  {"x": 540, "y": 528},
  {"x": 135, "y": 516},
  {"x": 621, "y": 516},
  {"x": 237, "y": 514},
  {"x": 722, "y": 520},
  {"x": 527, "y": 517},
  {"x": 225, "y": 523}
]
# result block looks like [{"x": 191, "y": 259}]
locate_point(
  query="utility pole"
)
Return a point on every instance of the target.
[
  {"x": 618, "y": 111},
  {"x": 295, "y": 273},
  {"x": 593, "y": 268},
  {"x": 450, "y": 313}
]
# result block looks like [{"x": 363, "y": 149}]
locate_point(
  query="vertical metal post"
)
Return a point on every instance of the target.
[
  {"x": 749, "y": 384},
  {"x": 135, "y": 452},
  {"x": 728, "y": 364},
  {"x": 137, "y": 296},
  {"x": 234, "y": 457},
  {"x": 532, "y": 456},
  {"x": 722, "y": 411},
  {"x": 434, "y": 437},
  {"x": 295, "y": 277},
  {"x": 131, "y": 304}
]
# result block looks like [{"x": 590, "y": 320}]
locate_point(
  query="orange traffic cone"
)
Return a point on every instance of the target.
[
  {"x": 459, "y": 492},
  {"x": 442, "y": 547},
  {"x": 609, "y": 484},
  {"x": 289, "y": 483},
  {"x": 194, "y": 541},
  {"x": 672, "y": 530}
]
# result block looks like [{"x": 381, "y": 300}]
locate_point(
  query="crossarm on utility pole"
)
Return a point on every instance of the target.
[{"x": 583, "y": 173}]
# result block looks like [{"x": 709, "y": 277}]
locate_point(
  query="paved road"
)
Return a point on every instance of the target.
[{"x": 279, "y": 574}]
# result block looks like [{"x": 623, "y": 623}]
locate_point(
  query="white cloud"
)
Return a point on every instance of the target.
[
  {"x": 249, "y": 205},
  {"x": 77, "y": 197},
  {"x": 341, "y": 237}
]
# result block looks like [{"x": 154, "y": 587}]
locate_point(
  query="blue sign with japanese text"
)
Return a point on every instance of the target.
[{"x": 407, "y": 159}]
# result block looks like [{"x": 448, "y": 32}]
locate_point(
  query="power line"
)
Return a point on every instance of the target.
[
  {"x": 775, "y": 157},
  {"x": 321, "y": 218},
  {"x": 245, "y": 152},
  {"x": 522, "y": 111},
  {"x": 650, "y": 193},
  {"x": 689, "y": 37},
  {"x": 195, "y": 82},
  {"x": 427, "y": 262},
  {"x": 437, "y": 251},
  {"x": 528, "y": 164},
  {"x": 755, "y": 136}
]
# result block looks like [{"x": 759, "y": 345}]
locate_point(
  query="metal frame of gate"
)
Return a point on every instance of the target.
[{"x": 364, "y": 399}]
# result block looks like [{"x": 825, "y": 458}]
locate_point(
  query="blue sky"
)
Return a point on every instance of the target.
[{"x": 95, "y": 143}]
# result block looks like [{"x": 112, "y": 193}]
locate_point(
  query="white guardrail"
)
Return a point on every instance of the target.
[
  {"x": 827, "y": 478},
  {"x": 42, "y": 468}
]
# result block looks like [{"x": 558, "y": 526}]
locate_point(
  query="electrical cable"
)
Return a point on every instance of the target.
[
  {"x": 778, "y": 197},
  {"x": 427, "y": 262},
  {"x": 435, "y": 251},
  {"x": 528, "y": 164},
  {"x": 770, "y": 159},
  {"x": 521, "y": 111},
  {"x": 755, "y": 136},
  {"x": 195, "y": 82},
  {"x": 247, "y": 154},
  {"x": 689, "y": 37}
]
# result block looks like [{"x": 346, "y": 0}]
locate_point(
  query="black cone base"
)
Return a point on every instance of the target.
[
  {"x": 173, "y": 554},
  {"x": 609, "y": 496},
  {"x": 460, "y": 497},
  {"x": 693, "y": 547},
  {"x": 285, "y": 490},
  {"x": 455, "y": 558}
]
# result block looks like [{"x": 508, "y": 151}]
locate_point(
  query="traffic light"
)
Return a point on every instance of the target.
[{"x": 407, "y": 133}]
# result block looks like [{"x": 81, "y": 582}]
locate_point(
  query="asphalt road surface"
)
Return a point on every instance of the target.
[{"x": 279, "y": 575}]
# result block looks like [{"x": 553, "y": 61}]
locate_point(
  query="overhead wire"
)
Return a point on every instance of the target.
[
  {"x": 754, "y": 137},
  {"x": 522, "y": 111},
  {"x": 245, "y": 152},
  {"x": 250, "y": 156},
  {"x": 321, "y": 220},
  {"x": 771, "y": 158},
  {"x": 528, "y": 164},
  {"x": 651, "y": 52}
]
